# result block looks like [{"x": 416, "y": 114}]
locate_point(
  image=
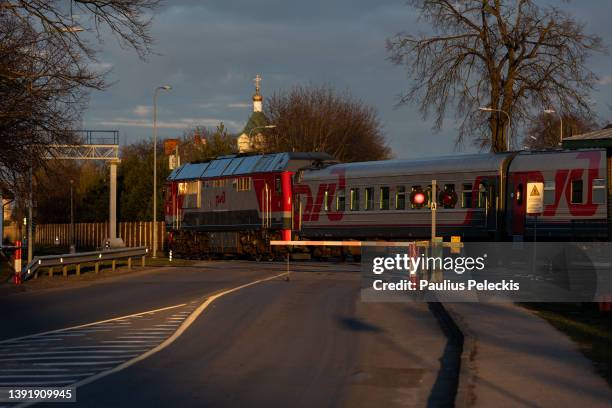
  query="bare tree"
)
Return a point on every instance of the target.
[
  {"x": 47, "y": 68},
  {"x": 545, "y": 130},
  {"x": 511, "y": 56},
  {"x": 318, "y": 119}
]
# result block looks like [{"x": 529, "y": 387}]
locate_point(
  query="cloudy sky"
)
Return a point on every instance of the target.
[{"x": 210, "y": 51}]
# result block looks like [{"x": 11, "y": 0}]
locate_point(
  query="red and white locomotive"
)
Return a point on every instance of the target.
[{"x": 237, "y": 204}]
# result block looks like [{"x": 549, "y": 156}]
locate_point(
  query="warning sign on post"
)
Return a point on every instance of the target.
[{"x": 535, "y": 198}]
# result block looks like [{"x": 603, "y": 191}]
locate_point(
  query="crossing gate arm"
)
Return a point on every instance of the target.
[{"x": 424, "y": 244}]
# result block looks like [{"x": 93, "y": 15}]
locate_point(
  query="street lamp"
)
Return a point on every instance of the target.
[
  {"x": 72, "y": 245},
  {"x": 159, "y": 88},
  {"x": 551, "y": 111},
  {"x": 260, "y": 127},
  {"x": 487, "y": 109}
]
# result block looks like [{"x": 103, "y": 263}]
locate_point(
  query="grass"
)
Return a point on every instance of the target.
[{"x": 585, "y": 325}]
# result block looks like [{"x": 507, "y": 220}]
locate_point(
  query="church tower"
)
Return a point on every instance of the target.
[{"x": 252, "y": 137}]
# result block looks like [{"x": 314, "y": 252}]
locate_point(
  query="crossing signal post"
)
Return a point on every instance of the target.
[
  {"x": 17, "y": 263},
  {"x": 434, "y": 208}
]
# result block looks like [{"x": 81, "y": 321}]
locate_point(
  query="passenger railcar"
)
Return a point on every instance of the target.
[{"x": 478, "y": 196}]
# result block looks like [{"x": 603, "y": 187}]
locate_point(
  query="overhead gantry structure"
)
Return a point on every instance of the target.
[{"x": 97, "y": 145}]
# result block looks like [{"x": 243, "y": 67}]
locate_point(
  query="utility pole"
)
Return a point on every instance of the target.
[
  {"x": 30, "y": 203},
  {"x": 72, "y": 245},
  {"x": 159, "y": 88}
]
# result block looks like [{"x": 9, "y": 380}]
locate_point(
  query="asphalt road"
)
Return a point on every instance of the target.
[{"x": 305, "y": 342}]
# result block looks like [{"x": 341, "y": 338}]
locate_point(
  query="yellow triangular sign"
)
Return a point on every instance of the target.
[{"x": 534, "y": 192}]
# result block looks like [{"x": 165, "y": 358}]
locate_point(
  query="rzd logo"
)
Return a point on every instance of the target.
[
  {"x": 220, "y": 198},
  {"x": 313, "y": 207}
]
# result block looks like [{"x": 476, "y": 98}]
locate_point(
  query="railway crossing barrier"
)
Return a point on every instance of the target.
[
  {"x": 411, "y": 246},
  {"x": 96, "y": 257}
]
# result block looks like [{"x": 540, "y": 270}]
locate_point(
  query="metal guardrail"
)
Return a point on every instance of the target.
[{"x": 95, "y": 257}]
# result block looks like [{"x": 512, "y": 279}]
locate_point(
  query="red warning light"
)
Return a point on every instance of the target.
[{"x": 419, "y": 198}]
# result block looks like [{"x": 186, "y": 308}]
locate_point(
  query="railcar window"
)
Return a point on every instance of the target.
[
  {"x": 549, "y": 192},
  {"x": 218, "y": 183},
  {"x": 482, "y": 195},
  {"x": 599, "y": 191},
  {"x": 519, "y": 194},
  {"x": 400, "y": 198},
  {"x": 576, "y": 194},
  {"x": 277, "y": 184},
  {"x": 448, "y": 197},
  {"x": 369, "y": 198},
  {"x": 384, "y": 198},
  {"x": 429, "y": 195},
  {"x": 242, "y": 184},
  {"x": 326, "y": 201},
  {"x": 466, "y": 196},
  {"x": 354, "y": 199},
  {"x": 340, "y": 200},
  {"x": 191, "y": 193}
]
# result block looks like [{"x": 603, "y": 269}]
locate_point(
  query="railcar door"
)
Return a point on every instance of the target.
[
  {"x": 491, "y": 204},
  {"x": 519, "y": 203},
  {"x": 296, "y": 208}
]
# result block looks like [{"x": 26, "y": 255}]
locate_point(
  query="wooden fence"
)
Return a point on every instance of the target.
[{"x": 92, "y": 235}]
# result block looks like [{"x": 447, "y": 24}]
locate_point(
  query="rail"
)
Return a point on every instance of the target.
[{"x": 96, "y": 257}]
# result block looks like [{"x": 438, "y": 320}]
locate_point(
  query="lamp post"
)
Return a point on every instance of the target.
[
  {"x": 487, "y": 109},
  {"x": 159, "y": 88},
  {"x": 260, "y": 127},
  {"x": 72, "y": 245},
  {"x": 551, "y": 111}
]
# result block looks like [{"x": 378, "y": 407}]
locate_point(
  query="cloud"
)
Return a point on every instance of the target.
[
  {"x": 238, "y": 105},
  {"x": 101, "y": 66},
  {"x": 180, "y": 123},
  {"x": 142, "y": 110},
  {"x": 605, "y": 80}
]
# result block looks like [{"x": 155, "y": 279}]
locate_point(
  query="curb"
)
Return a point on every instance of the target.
[{"x": 467, "y": 373}]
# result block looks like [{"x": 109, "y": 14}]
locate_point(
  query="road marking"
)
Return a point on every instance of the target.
[
  {"x": 81, "y": 363},
  {"x": 103, "y": 346},
  {"x": 81, "y": 357},
  {"x": 53, "y": 353},
  {"x": 41, "y": 384},
  {"x": 140, "y": 337},
  {"x": 21, "y": 370},
  {"x": 30, "y": 336},
  {"x": 32, "y": 376},
  {"x": 182, "y": 328},
  {"x": 110, "y": 367}
]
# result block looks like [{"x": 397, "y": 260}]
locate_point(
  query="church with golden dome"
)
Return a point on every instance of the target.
[{"x": 252, "y": 138}]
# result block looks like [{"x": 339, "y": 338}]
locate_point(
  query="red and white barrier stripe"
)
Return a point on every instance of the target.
[{"x": 17, "y": 263}]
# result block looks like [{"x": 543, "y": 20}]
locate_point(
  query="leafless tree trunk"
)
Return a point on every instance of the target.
[
  {"x": 511, "y": 56},
  {"x": 47, "y": 69}
]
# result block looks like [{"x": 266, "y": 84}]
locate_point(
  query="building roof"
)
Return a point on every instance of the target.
[
  {"x": 597, "y": 138},
  {"x": 256, "y": 120}
]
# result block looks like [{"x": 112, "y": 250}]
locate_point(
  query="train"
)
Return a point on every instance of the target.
[{"x": 235, "y": 205}]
